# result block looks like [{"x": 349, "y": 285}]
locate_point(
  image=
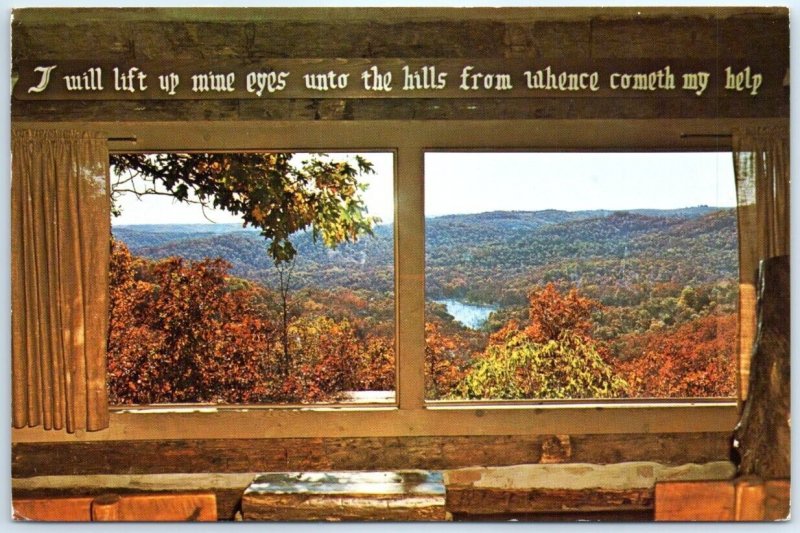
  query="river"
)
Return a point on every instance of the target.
[{"x": 471, "y": 315}]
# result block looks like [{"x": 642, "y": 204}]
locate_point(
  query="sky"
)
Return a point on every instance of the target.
[
  {"x": 477, "y": 182},
  {"x": 152, "y": 209},
  {"x": 474, "y": 182}
]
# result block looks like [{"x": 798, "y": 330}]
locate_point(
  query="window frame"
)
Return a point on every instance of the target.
[{"x": 412, "y": 415}]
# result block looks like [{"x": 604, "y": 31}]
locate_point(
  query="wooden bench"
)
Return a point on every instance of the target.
[{"x": 345, "y": 496}]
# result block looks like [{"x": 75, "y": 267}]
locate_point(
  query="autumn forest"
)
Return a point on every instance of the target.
[{"x": 595, "y": 303}]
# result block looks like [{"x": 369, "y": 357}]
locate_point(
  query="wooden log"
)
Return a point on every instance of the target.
[
  {"x": 750, "y": 499},
  {"x": 391, "y": 33},
  {"x": 52, "y": 509},
  {"x": 694, "y": 501},
  {"x": 777, "y": 498},
  {"x": 105, "y": 508},
  {"x": 402, "y": 109},
  {"x": 654, "y": 37},
  {"x": 228, "y": 501},
  {"x": 173, "y": 507},
  {"x": 388, "y": 453},
  {"x": 336, "y": 496},
  {"x": 567, "y": 516},
  {"x": 480, "y": 500},
  {"x": 762, "y": 438}
]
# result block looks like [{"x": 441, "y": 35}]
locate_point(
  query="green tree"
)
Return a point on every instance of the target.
[
  {"x": 270, "y": 191},
  {"x": 552, "y": 356},
  {"x": 520, "y": 368}
]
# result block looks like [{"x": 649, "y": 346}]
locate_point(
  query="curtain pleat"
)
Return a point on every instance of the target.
[
  {"x": 60, "y": 253},
  {"x": 761, "y": 164}
]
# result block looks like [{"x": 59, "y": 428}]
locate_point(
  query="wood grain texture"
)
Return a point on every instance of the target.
[
  {"x": 742, "y": 37},
  {"x": 695, "y": 501},
  {"x": 750, "y": 495},
  {"x": 227, "y": 501},
  {"x": 52, "y": 509},
  {"x": 335, "y": 496},
  {"x": 555, "y": 516},
  {"x": 474, "y": 500},
  {"x": 113, "y": 507},
  {"x": 341, "y": 508},
  {"x": 777, "y": 499},
  {"x": 172, "y": 507},
  {"x": 319, "y": 454},
  {"x": 407, "y": 109},
  {"x": 763, "y": 435}
]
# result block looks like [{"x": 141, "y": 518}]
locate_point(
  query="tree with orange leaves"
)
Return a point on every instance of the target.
[
  {"x": 695, "y": 359},
  {"x": 553, "y": 356}
]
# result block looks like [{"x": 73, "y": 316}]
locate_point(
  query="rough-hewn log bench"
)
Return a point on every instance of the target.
[{"x": 333, "y": 496}]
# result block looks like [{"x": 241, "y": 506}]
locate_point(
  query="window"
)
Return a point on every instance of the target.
[
  {"x": 413, "y": 413},
  {"x": 581, "y": 275},
  {"x": 285, "y": 296}
]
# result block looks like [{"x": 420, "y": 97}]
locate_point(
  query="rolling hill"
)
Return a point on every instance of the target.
[{"x": 491, "y": 257}]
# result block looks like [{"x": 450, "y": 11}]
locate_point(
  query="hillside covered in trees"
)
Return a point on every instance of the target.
[{"x": 587, "y": 304}]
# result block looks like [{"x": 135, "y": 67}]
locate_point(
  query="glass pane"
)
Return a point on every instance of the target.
[
  {"x": 271, "y": 283},
  {"x": 580, "y": 275}
]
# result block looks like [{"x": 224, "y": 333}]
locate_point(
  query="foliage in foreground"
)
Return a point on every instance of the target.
[
  {"x": 268, "y": 190},
  {"x": 186, "y": 332},
  {"x": 551, "y": 357}
]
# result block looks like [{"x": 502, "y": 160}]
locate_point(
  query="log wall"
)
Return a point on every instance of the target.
[
  {"x": 757, "y": 37},
  {"x": 735, "y": 36}
]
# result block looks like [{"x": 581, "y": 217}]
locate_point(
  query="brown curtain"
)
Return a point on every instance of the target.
[
  {"x": 60, "y": 227},
  {"x": 761, "y": 163}
]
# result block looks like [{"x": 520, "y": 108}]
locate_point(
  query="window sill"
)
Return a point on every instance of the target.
[{"x": 389, "y": 421}]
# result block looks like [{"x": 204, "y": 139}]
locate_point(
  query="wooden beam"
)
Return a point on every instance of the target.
[
  {"x": 172, "y": 507},
  {"x": 52, "y": 509},
  {"x": 113, "y": 507},
  {"x": 777, "y": 499},
  {"x": 308, "y": 110},
  {"x": 314, "y": 454},
  {"x": 695, "y": 501},
  {"x": 750, "y": 496},
  {"x": 227, "y": 500},
  {"x": 335, "y": 496},
  {"x": 480, "y": 500}
]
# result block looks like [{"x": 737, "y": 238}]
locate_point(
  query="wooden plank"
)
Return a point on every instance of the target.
[
  {"x": 187, "y": 40},
  {"x": 388, "y": 33},
  {"x": 747, "y": 37},
  {"x": 411, "y": 109},
  {"x": 410, "y": 299},
  {"x": 777, "y": 499},
  {"x": 694, "y": 501},
  {"x": 686, "y": 36},
  {"x": 52, "y": 509},
  {"x": 228, "y": 500},
  {"x": 335, "y": 496},
  {"x": 556, "y": 516},
  {"x": 315, "y": 454},
  {"x": 391, "y": 78},
  {"x": 132, "y": 15},
  {"x": 552, "y": 39},
  {"x": 172, "y": 507},
  {"x": 481, "y": 500},
  {"x": 750, "y": 496}
]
